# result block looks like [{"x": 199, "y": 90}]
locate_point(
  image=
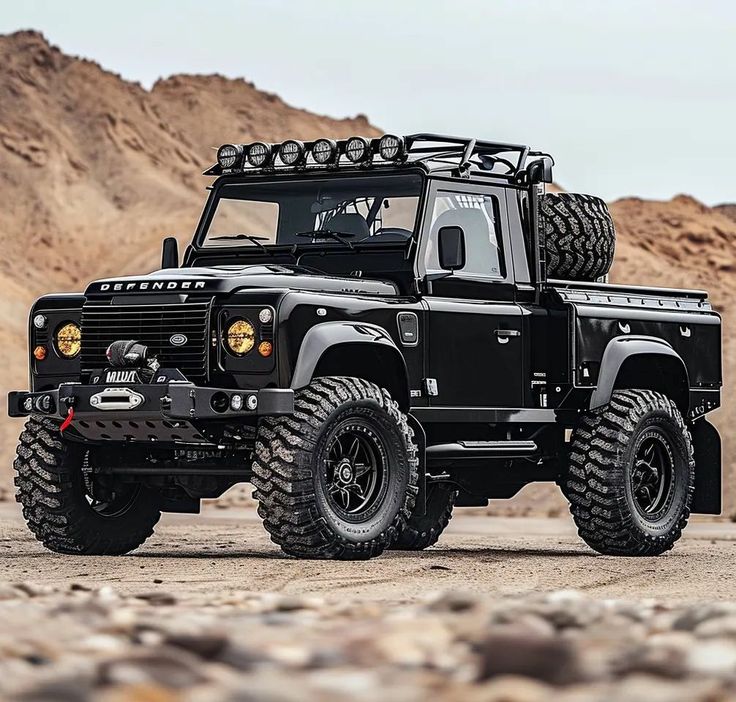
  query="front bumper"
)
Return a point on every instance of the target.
[{"x": 156, "y": 412}]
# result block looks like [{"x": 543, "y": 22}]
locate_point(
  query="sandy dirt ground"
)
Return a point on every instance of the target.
[
  {"x": 228, "y": 550},
  {"x": 503, "y": 610}
]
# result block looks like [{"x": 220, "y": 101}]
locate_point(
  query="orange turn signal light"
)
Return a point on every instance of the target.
[
  {"x": 39, "y": 353},
  {"x": 265, "y": 348}
]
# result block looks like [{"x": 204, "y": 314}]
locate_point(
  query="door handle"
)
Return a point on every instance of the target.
[{"x": 503, "y": 335}]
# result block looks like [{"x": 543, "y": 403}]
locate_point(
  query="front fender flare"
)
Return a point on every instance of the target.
[
  {"x": 326, "y": 335},
  {"x": 617, "y": 352}
]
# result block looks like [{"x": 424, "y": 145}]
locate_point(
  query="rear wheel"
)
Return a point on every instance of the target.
[
  {"x": 631, "y": 475},
  {"x": 66, "y": 509},
  {"x": 338, "y": 479},
  {"x": 422, "y": 531}
]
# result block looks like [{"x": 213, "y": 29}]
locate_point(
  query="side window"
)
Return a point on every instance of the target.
[{"x": 476, "y": 214}]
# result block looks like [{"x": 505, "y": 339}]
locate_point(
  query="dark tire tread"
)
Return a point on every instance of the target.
[
  {"x": 595, "y": 483},
  {"x": 424, "y": 531},
  {"x": 580, "y": 238},
  {"x": 283, "y": 479},
  {"x": 48, "y": 476}
]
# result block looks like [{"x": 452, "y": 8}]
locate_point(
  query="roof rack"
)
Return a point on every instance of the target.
[{"x": 460, "y": 156}]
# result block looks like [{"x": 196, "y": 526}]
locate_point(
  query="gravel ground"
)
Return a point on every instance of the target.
[{"x": 502, "y": 610}]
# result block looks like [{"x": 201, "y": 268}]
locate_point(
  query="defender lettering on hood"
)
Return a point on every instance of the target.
[{"x": 140, "y": 286}]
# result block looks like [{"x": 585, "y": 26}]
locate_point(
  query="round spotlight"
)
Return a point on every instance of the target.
[
  {"x": 39, "y": 321},
  {"x": 324, "y": 151},
  {"x": 252, "y": 402},
  {"x": 265, "y": 315},
  {"x": 391, "y": 147},
  {"x": 291, "y": 152},
  {"x": 228, "y": 155},
  {"x": 265, "y": 348},
  {"x": 236, "y": 403},
  {"x": 357, "y": 149},
  {"x": 68, "y": 339},
  {"x": 259, "y": 154}
]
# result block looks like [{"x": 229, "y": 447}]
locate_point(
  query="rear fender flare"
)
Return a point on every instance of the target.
[{"x": 621, "y": 349}]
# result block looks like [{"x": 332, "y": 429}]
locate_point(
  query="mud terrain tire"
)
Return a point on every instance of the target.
[
  {"x": 580, "y": 238},
  {"x": 631, "y": 475},
  {"x": 50, "y": 486},
  {"x": 310, "y": 478},
  {"x": 422, "y": 531}
]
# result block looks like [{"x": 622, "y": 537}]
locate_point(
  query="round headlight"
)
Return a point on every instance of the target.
[
  {"x": 356, "y": 149},
  {"x": 391, "y": 147},
  {"x": 259, "y": 154},
  {"x": 68, "y": 340},
  {"x": 291, "y": 152},
  {"x": 324, "y": 150},
  {"x": 228, "y": 155},
  {"x": 241, "y": 337}
]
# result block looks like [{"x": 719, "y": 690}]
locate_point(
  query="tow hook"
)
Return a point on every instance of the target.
[{"x": 70, "y": 402}]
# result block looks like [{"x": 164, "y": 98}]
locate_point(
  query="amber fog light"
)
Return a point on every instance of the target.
[
  {"x": 265, "y": 348},
  {"x": 68, "y": 340},
  {"x": 39, "y": 353}
]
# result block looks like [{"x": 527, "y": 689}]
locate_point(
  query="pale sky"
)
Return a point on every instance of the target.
[{"x": 632, "y": 97}]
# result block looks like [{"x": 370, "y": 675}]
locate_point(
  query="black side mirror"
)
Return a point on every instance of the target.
[
  {"x": 170, "y": 253},
  {"x": 451, "y": 242},
  {"x": 540, "y": 171}
]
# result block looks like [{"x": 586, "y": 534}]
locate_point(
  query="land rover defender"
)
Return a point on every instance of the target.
[{"x": 373, "y": 332}]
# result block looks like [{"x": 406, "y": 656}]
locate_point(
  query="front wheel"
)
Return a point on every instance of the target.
[
  {"x": 65, "y": 508},
  {"x": 338, "y": 479},
  {"x": 631, "y": 475}
]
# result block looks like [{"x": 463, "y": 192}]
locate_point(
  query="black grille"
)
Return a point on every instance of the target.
[{"x": 154, "y": 326}]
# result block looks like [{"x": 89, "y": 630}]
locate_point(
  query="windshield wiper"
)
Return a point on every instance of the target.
[
  {"x": 248, "y": 237},
  {"x": 342, "y": 237}
]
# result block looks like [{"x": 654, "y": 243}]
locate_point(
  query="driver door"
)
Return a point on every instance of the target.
[{"x": 476, "y": 343}]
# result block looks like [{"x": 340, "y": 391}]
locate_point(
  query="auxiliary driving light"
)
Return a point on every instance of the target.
[
  {"x": 265, "y": 316},
  {"x": 39, "y": 321},
  {"x": 228, "y": 155},
  {"x": 391, "y": 147},
  {"x": 252, "y": 402},
  {"x": 265, "y": 348},
  {"x": 44, "y": 404},
  {"x": 241, "y": 337},
  {"x": 291, "y": 152},
  {"x": 357, "y": 149},
  {"x": 39, "y": 353},
  {"x": 259, "y": 154},
  {"x": 324, "y": 151},
  {"x": 68, "y": 340},
  {"x": 236, "y": 403}
]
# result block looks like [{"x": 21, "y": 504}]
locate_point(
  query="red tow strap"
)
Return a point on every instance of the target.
[{"x": 67, "y": 422}]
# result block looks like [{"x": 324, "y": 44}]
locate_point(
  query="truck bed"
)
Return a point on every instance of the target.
[{"x": 600, "y": 312}]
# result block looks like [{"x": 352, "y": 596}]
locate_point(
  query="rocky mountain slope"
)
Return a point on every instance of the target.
[{"x": 94, "y": 170}]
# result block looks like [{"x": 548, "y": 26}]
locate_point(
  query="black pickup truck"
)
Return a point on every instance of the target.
[{"x": 372, "y": 332}]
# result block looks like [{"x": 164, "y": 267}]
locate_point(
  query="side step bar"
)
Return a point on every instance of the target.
[{"x": 480, "y": 449}]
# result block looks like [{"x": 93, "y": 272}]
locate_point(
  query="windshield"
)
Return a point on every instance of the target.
[{"x": 340, "y": 210}]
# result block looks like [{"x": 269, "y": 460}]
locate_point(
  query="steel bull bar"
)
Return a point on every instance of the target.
[{"x": 147, "y": 412}]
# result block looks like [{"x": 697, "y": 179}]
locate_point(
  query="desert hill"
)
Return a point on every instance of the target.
[{"x": 94, "y": 170}]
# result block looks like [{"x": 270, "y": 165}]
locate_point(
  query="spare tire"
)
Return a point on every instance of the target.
[{"x": 579, "y": 236}]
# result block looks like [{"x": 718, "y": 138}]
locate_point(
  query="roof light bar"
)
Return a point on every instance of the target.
[
  {"x": 228, "y": 155},
  {"x": 259, "y": 154},
  {"x": 392, "y": 147},
  {"x": 357, "y": 149},
  {"x": 291, "y": 152},
  {"x": 324, "y": 151}
]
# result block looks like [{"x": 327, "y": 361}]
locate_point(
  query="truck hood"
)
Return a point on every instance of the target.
[{"x": 224, "y": 280}]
